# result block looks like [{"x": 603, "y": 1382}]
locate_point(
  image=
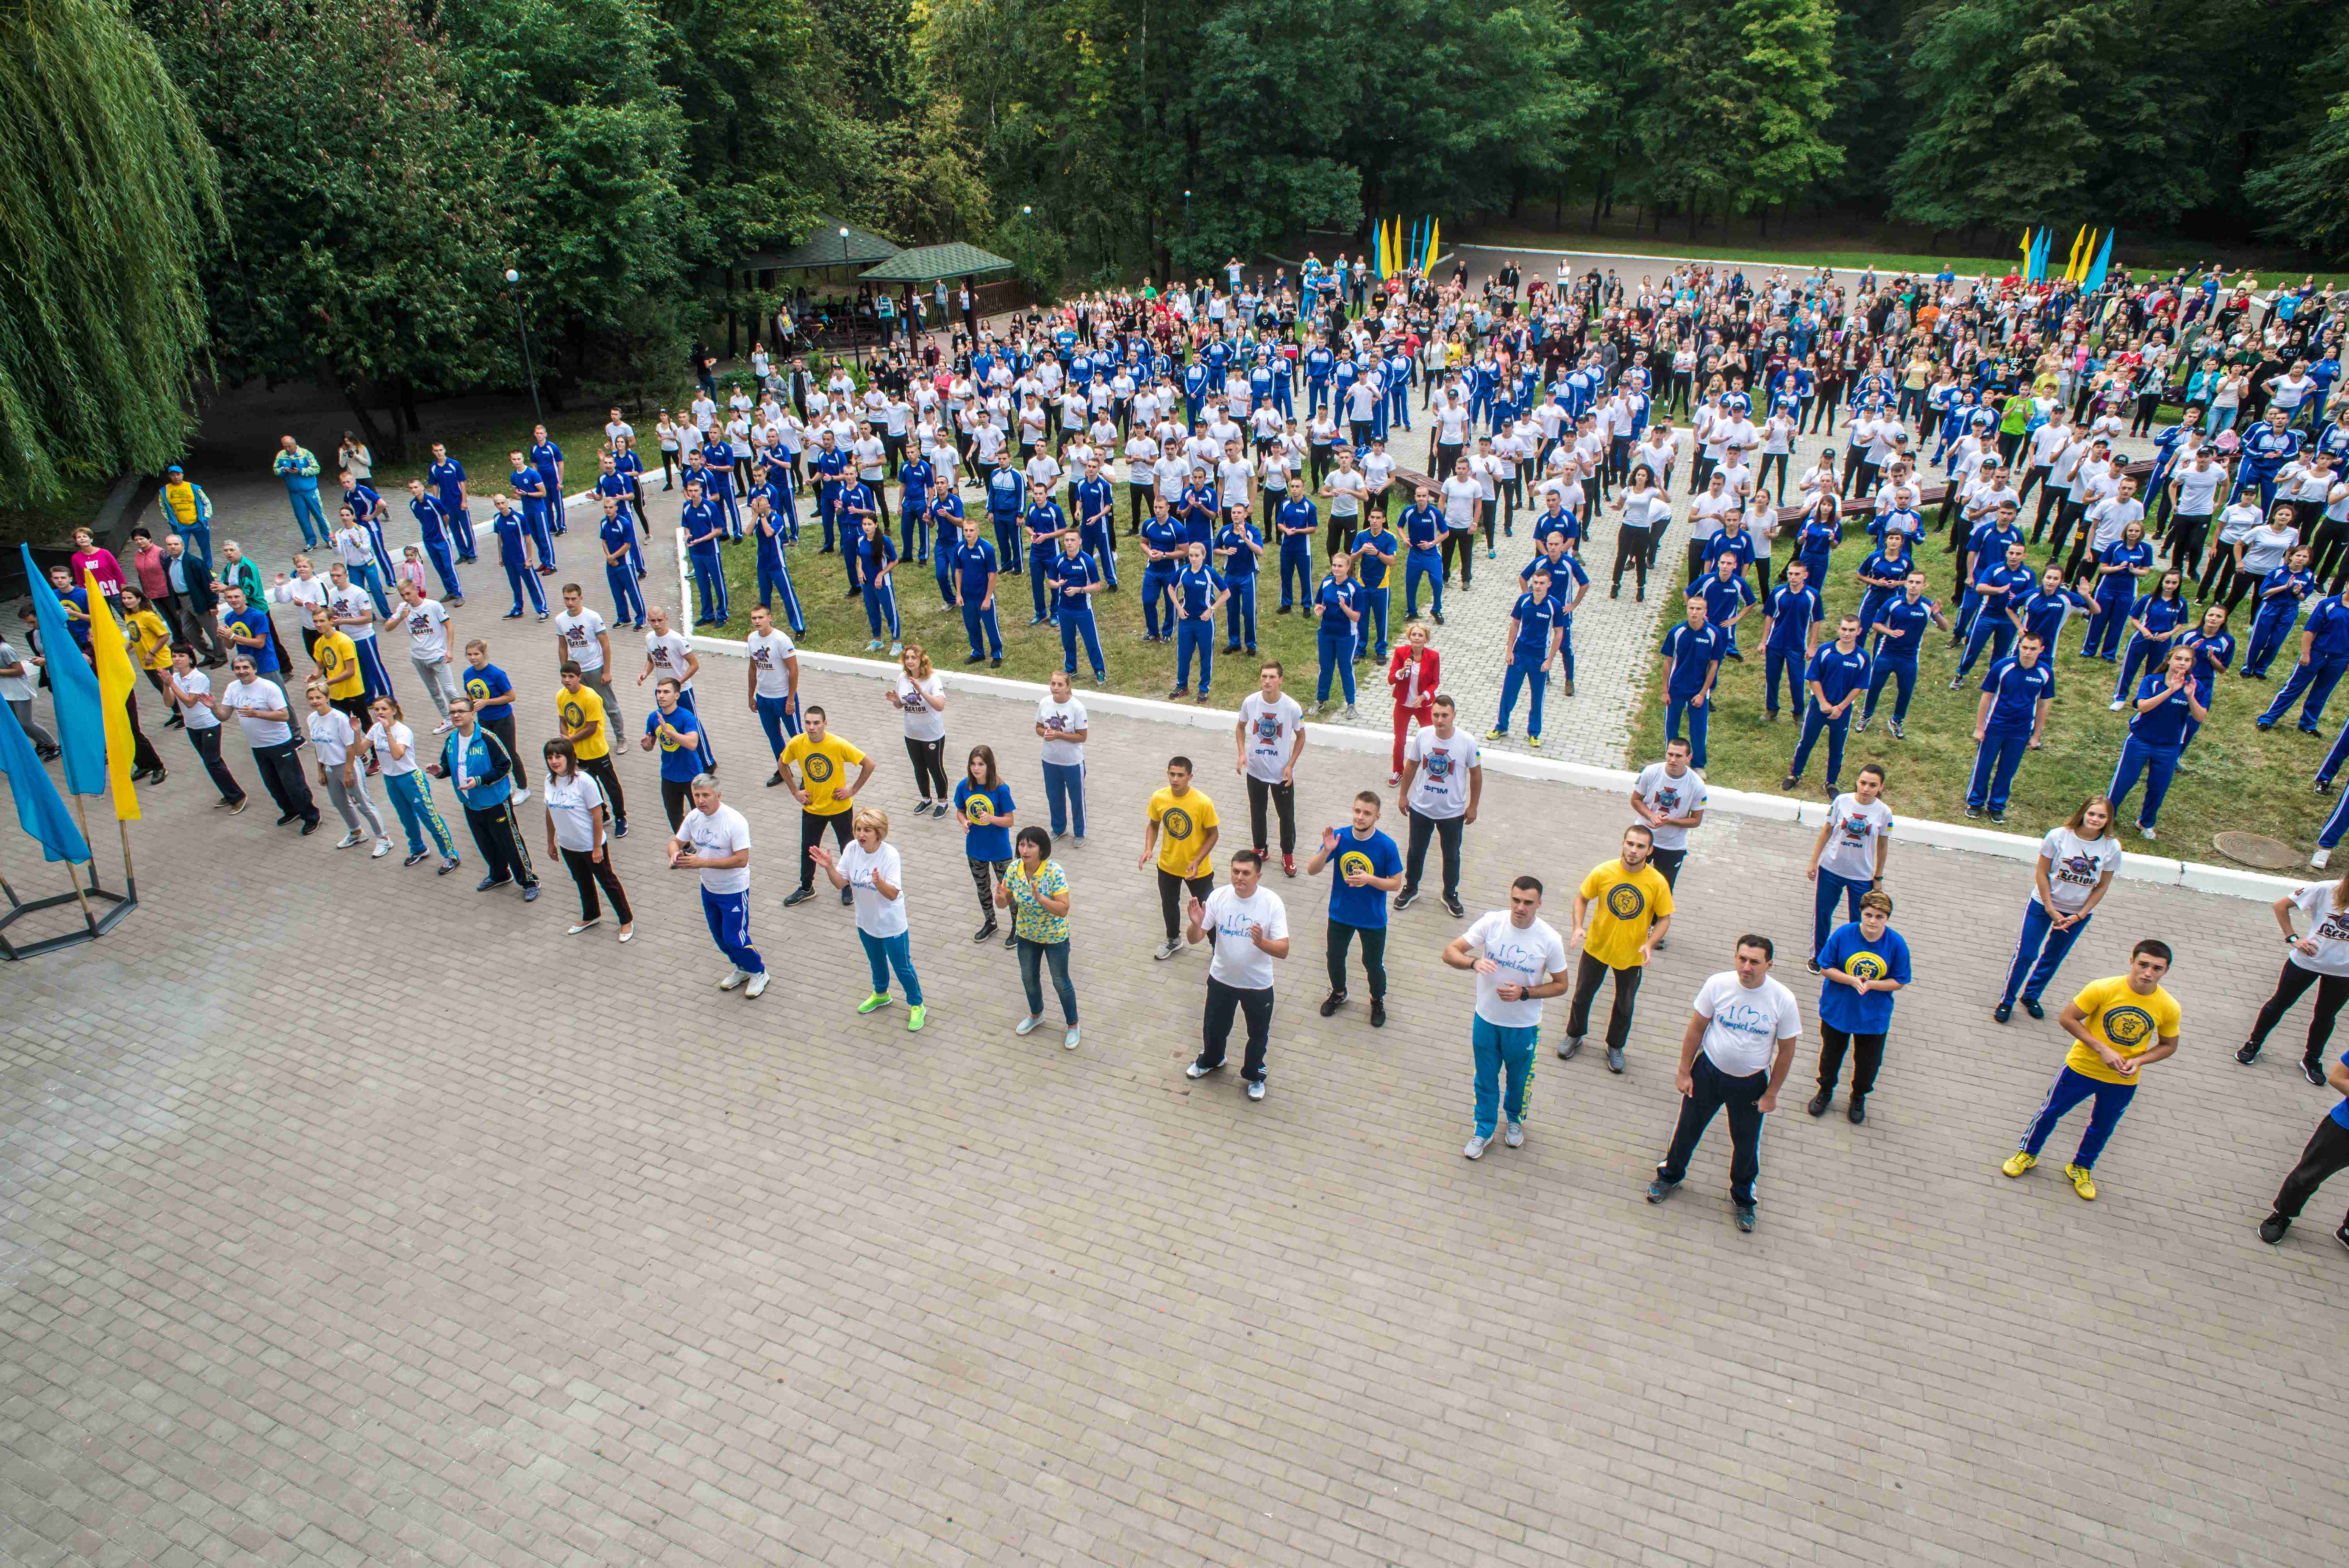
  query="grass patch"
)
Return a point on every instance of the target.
[{"x": 2233, "y": 775}]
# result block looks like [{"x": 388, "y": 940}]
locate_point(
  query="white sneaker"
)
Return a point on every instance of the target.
[
  {"x": 1068, "y": 1039},
  {"x": 353, "y": 837},
  {"x": 2116, "y": 706},
  {"x": 382, "y": 848},
  {"x": 522, "y": 794},
  {"x": 732, "y": 980},
  {"x": 444, "y": 727},
  {"x": 1169, "y": 948},
  {"x": 2316, "y": 861},
  {"x": 1474, "y": 1147},
  {"x": 758, "y": 986},
  {"x": 1027, "y": 1026},
  {"x": 1514, "y": 1135}
]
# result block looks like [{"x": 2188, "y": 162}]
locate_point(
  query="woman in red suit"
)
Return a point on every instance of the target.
[{"x": 1414, "y": 671}]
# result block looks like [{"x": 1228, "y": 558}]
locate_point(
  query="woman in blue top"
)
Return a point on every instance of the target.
[
  {"x": 1199, "y": 592},
  {"x": 2118, "y": 566},
  {"x": 982, "y": 804},
  {"x": 2281, "y": 592},
  {"x": 1883, "y": 577},
  {"x": 2166, "y": 703},
  {"x": 1239, "y": 548},
  {"x": 2214, "y": 650},
  {"x": 876, "y": 557},
  {"x": 1822, "y": 531},
  {"x": 1899, "y": 628},
  {"x": 1862, "y": 965},
  {"x": 1337, "y": 607},
  {"x": 2155, "y": 623}
]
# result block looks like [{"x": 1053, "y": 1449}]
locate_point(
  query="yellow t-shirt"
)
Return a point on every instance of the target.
[
  {"x": 575, "y": 708},
  {"x": 151, "y": 639},
  {"x": 823, "y": 771},
  {"x": 2132, "y": 1025},
  {"x": 180, "y": 499},
  {"x": 1623, "y": 905},
  {"x": 339, "y": 661},
  {"x": 1180, "y": 823}
]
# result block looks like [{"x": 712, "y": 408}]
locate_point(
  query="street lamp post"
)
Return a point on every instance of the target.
[
  {"x": 854, "y": 348},
  {"x": 1187, "y": 226},
  {"x": 523, "y": 328}
]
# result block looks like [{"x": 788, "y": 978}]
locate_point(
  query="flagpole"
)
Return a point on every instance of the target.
[
  {"x": 88, "y": 919},
  {"x": 82, "y": 813}
]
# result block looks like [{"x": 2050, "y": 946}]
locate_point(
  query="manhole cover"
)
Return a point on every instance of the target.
[{"x": 2257, "y": 849}]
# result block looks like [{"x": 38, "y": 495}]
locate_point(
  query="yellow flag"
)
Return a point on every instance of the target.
[
  {"x": 2072, "y": 267},
  {"x": 1435, "y": 232},
  {"x": 116, "y": 678}
]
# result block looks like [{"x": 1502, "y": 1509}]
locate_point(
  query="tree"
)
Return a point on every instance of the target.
[
  {"x": 2301, "y": 192},
  {"x": 112, "y": 196},
  {"x": 367, "y": 221},
  {"x": 1737, "y": 102}
]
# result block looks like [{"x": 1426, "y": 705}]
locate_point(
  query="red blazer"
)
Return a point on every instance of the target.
[{"x": 1431, "y": 673}]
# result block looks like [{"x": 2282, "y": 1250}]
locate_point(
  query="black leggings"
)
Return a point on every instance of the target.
[
  {"x": 1170, "y": 897},
  {"x": 929, "y": 768},
  {"x": 600, "y": 769},
  {"x": 591, "y": 873},
  {"x": 677, "y": 798},
  {"x": 1284, "y": 802},
  {"x": 2331, "y": 990},
  {"x": 1374, "y": 956},
  {"x": 2328, "y": 1155},
  {"x": 1588, "y": 972},
  {"x": 811, "y": 831},
  {"x": 983, "y": 875},
  {"x": 1460, "y": 542},
  {"x": 1867, "y": 1055},
  {"x": 1632, "y": 547}
]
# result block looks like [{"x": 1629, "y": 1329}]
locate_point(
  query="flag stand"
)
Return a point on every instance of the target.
[{"x": 96, "y": 921}]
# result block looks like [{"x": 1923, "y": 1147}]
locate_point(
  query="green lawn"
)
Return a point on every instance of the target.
[
  {"x": 2233, "y": 775},
  {"x": 836, "y": 624}
]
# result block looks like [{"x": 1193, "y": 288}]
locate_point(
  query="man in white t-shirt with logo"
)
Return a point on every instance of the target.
[
  {"x": 1249, "y": 928},
  {"x": 1670, "y": 795},
  {"x": 1443, "y": 781},
  {"x": 1848, "y": 857},
  {"x": 1270, "y": 737},
  {"x": 1061, "y": 724},
  {"x": 1734, "y": 1055},
  {"x": 774, "y": 683},
  {"x": 713, "y": 840},
  {"x": 581, "y": 637},
  {"x": 426, "y": 625},
  {"x": 1518, "y": 958}
]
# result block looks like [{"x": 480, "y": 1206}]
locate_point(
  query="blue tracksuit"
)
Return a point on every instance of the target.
[
  {"x": 2156, "y": 738},
  {"x": 2317, "y": 674},
  {"x": 1838, "y": 674},
  {"x": 2016, "y": 693}
]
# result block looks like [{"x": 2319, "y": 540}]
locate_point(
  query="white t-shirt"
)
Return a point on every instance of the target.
[
  {"x": 1525, "y": 957},
  {"x": 924, "y": 720},
  {"x": 1672, "y": 797},
  {"x": 1273, "y": 731},
  {"x": 1461, "y": 497},
  {"x": 1238, "y": 961},
  {"x": 581, "y": 637},
  {"x": 1441, "y": 787},
  {"x": 1062, "y": 718},
  {"x": 666, "y": 652},
  {"x": 570, "y": 806},
  {"x": 2198, "y": 489},
  {"x": 381, "y": 739},
  {"x": 718, "y": 832},
  {"x": 428, "y": 634},
  {"x": 240, "y": 695},
  {"x": 1746, "y": 1023},
  {"x": 875, "y": 915},
  {"x": 1850, "y": 852},
  {"x": 2075, "y": 865},
  {"x": 195, "y": 682},
  {"x": 332, "y": 736},
  {"x": 768, "y": 652}
]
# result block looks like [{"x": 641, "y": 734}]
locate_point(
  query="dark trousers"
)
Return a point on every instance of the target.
[
  {"x": 812, "y": 830},
  {"x": 1284, "y": 802},
  {"x": 676, "y": 799},
  {"x": 1222, "y": 1001},
  {"x": 207, "y": 743},
  {"x": 983, "y": 875},
  {"x": 1170, "y": 897},
  {"x": 143, "y": 755},
  {"x": 929, "y": 771},
  {"x": 280, "y": 774},
  {"x": 2326, "y": 1155},
  {"x": 1632, "y": 548},
  {"x": 1867, "y": 1054},
  {"x": 1710, "y": 1091},
  {"x": 600, "y": 769},
  {"x": 590, "y": 873},
  {"x": 499, "y": 838},
  {"x": 1374, "y": 954},
  {"x": 1446, "y": 829},
  {"x": 1588, "y": 972},
  {"x": 1667, "y": 866},
  {"x": 2331, "y": 990},
  {"x": 504, "y": 728}
]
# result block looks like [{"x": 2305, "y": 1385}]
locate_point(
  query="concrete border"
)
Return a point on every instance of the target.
[{"x": 2157, "y": 870}]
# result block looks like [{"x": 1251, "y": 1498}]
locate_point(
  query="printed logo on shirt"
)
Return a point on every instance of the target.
[
  {"x": 2129, "y": 1028},
  {"x": 1854, "y": 828},
  {"x": 576, "y": 636},
  {"x": 978, "y": 809},
  {"x": 574, "y": 715},
  {"x": 1865, "y": 965},
  {"x": 1354, "y": 860},
  {"x": 818, "y": 768},
  {"x": 2081, "y": 870},
  {"x": 1268, "y": 728},
  {"x": 1176, "y": 822},
  {"x": 1439, "y": 767},
  {"x": 1625, "y": 902}
]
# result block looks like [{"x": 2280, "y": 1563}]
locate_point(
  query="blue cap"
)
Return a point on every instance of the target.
[{"x": 174, "y": 469}]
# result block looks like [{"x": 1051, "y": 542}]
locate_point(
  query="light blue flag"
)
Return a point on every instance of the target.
[
  {"x": 81, "y": 723},
  {"x": 40, "y": 810},
  {"x": 2103, "y": 260}
]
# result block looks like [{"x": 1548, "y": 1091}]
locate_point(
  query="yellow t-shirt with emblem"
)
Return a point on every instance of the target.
[
  {"x": 180, "y": 501},
  {"x": 149, "y": 639},
  {"x": 339, "y": 661},
  {"x": 823, "y": 771},
  {"x": 2132, "y": 1025},
  {"x": 1181, "y": 819},
  {"x": 1623, "y": 905},
  {"x": 583, "y": 707}
]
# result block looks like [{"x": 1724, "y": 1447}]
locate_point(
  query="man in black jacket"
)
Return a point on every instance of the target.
[{"x": 189, "y": 601}]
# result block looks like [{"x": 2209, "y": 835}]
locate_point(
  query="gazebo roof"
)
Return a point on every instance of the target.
[
  {"x": 823, "y": 247},
  {"x": 927, "y": 263}
]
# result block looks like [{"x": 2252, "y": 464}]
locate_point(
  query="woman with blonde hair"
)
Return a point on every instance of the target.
[
  {"x": 919, "y": 693},
  {"x": 2077, "y": 860},
  {"x": 869, "y": 871}
]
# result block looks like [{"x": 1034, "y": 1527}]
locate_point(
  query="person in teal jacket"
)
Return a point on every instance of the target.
[
  {"x": 482, "y": 768},
  {"x": 299, "y": 468}
]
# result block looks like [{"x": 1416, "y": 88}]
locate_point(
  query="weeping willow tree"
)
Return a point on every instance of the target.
[{"x": 106, "y": 192}]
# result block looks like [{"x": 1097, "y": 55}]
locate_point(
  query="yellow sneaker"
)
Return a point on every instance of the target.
[
  {"x": 2083, "y": 1182},
  {"x": 2018, "y": 1162}
]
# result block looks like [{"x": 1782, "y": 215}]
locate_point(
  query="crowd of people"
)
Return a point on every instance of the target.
[{"x": 1552, "y": 408}]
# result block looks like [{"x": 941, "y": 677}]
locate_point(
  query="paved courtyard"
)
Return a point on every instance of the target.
[{"x": 350, "y": 1216}]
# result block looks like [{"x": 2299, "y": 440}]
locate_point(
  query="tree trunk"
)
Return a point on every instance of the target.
[
  {"x": 1597, "y": 194},
  {"x": 394, "y": 447},
  {"x": 1693, "y": 212},
  {"x": 408, "y": 406}
]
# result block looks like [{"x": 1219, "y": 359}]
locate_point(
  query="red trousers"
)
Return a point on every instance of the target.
[{"x": 1424, "y": 713}]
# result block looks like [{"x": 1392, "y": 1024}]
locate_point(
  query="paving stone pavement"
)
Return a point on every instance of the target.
[{"x": 350, "y": 1216}]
